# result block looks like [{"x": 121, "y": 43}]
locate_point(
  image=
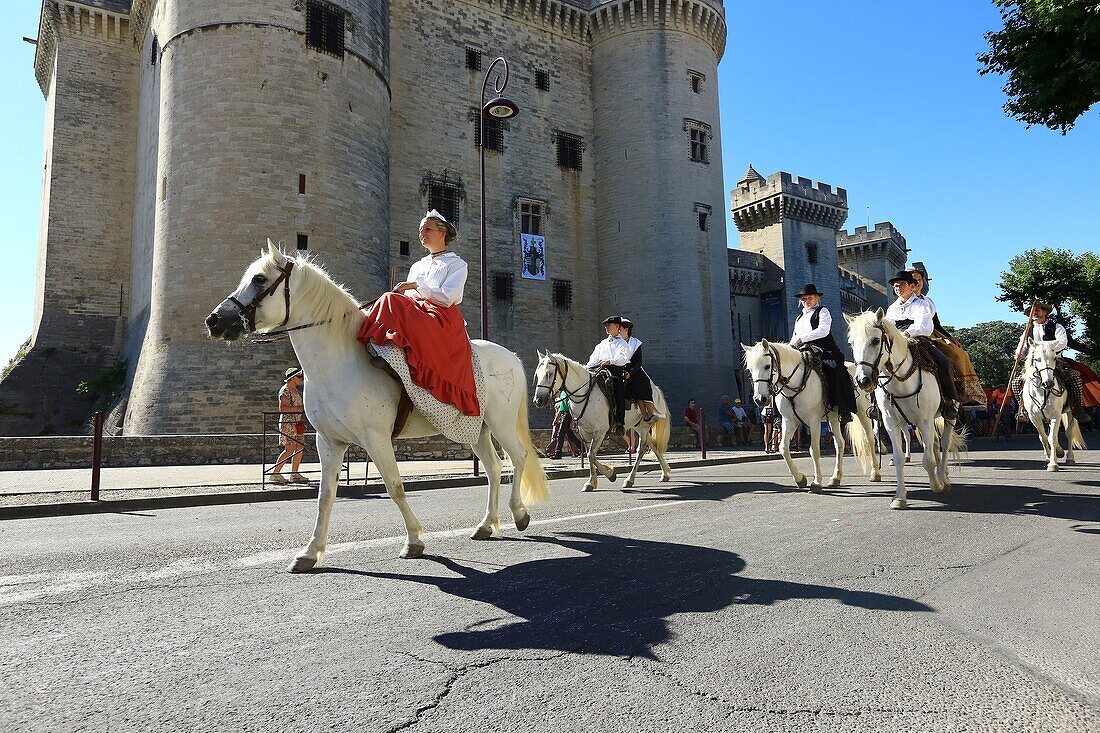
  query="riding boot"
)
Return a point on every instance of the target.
[{"x": 1081, "y": 414}]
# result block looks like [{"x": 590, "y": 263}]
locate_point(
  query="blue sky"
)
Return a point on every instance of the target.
[{"x": 881, "y": 98}]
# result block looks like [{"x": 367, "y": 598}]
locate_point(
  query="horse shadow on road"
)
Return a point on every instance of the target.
[
  {"x": 616, "y": 594},
  {"x": 710, "y": 491},
  {"x": 1014, "y": 500}
]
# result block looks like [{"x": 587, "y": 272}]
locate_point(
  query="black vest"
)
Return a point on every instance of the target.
[
  {"x": 1048, "y": 332},
  {"x": 826, "y": 342}
]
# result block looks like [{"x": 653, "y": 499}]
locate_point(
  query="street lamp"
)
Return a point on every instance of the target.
[{"x": 499, "y": 108}]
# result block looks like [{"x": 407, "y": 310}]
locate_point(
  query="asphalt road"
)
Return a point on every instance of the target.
[{"x": 725, "y": 600}]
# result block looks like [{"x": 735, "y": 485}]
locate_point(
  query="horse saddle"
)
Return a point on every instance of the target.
[{"x": 605, "y": 380}]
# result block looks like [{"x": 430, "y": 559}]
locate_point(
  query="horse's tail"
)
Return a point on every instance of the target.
[
  {"x": 862, "y": 442},
  {"x": 1076, "y": 439},
  {"x": 659, "y": 434},
  {"x": 956, "y": 444},
  {"x": 533, "y": 486}
]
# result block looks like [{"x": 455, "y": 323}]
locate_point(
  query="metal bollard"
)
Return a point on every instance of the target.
[
  {"x": 703, "y": 431},
  {"x": 97, "y": 453},
  {"x": 475, "y": 467}
]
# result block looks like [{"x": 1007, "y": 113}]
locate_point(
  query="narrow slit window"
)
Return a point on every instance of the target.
[
  {"x": 702, "y": 214},
  {"x": 473, "y": 59},
  {"x": 570, "y": 148},
  {"x": 403, "y": 248},
  {"x": 301, "y": 183},
  {"x": 542, "y": 80},
  {"x": 504, "y": 286},
  {"x": 155, "y": 52},
  {"x": 303, "y": 242},
  {"x": 563, "y": 294}
]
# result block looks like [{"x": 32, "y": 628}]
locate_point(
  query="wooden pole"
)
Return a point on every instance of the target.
[{"x": 1012, "y": 374}]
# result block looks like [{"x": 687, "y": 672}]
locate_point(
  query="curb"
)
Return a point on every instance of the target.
[{"x": 181, "y": 501}]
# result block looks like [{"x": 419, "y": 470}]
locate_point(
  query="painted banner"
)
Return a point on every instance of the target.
[{"x": 532, "y": 256}]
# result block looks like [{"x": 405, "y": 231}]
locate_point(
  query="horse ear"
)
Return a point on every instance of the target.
[
  {"x": 848, "y": 318},
  {"x": 765, "y": 343},
  {"x": 879, "y": 314},
  {"x": 745, "y": 348},
  {"x": 276, "y": 254}
]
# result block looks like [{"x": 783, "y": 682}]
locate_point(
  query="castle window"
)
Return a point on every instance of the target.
[
  {"x": 301, "y": 183},
  {"x": 403, "y": 248},
  {"x": 699, "y": 133},
  {"x": 811, "y": 253},
  {"x": 530, "y": 217},
  {"x": 542, "y": 80},
  {"x": 570, "y": 148},
  {"x": 702, "y": 212},
  {"x": 444, "y": 193},
  {"x": 473, "y": 59},
  {"x": 563, "y": 294},
  {"x": 494, "y": 131},
  {"x": 504, "y": 286},
  {"x": 303, "y": 242},
  {"x": 696, "y": 81},
  {"x": 154, "y": 52},
  {"x": 325, "y": 28}
]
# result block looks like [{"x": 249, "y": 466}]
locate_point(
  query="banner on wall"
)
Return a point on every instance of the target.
[{"x": 532, "y": 256}]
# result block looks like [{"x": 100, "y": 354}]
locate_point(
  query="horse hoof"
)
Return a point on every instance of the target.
[
  {"x": 907, "y": 459},
  {"x": 1052, "y": 467},
  {"x": 939, "y": 489},
  {"x": 801, "y": 483},
  {"x": 834, "y": 483},
  {"x": 876, "y": 478},
  {"x": 523, "y": 522},
  {"x": 665, "y": 479},
  {"x": 815, "y": 488},
  {"x": 1070, "y": 461},
  {"x": 897, "y": 504},
  {"x": 628, "y": 484},
  {"x": 589, "y": 487},
  {"x": 482, "y": 533},
  {"x": 411, "y": 552},
  {"x": 612, "y": 477},
  {"x": 301, "y": 564}
]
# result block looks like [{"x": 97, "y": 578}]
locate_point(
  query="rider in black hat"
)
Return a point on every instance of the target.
[
  {"x": 611, "y": 354},
  {"x": 813, "y": 332},
  {"x": 913, "y": 316}
]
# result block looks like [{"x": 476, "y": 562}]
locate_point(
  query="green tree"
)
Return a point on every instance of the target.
[
  {"x": 992, "y": 348},
  {"x": 1069, "y": 282},
  {"x": 1050, "y": 50}
]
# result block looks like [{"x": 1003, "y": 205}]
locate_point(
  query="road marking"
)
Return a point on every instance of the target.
[{"x": 34, "y": 586}]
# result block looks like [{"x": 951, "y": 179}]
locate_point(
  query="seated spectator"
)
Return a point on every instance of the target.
[{"x": 691, "y": 419}]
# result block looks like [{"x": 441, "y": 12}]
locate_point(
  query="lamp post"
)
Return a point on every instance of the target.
[{"x": 499, "y": 108}]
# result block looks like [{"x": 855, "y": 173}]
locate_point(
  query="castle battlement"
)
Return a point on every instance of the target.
[
  {"x": 881, "y": 230},
  {"x": 758, "y": 202},
  {"x": 746, "y": 271},
  {"x": 105, "y": 21}
]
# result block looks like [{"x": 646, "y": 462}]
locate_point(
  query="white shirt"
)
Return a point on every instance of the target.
[
  {"x": 739, "y": 413},
  {"x": 931, "y": 303},
  {"x": 917, "y": 310},
  {"x": 1061, "y": 339},
  {"x": 805, "y": 333},
  {"x": 612, "y": 350},
  {"x": 440, "y": 279},
  {"x": 631, "y": 345}
]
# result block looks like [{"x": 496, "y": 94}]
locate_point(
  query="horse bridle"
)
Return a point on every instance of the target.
[
  {"x": 777, "y": 384},
  {"x": 886, "y": 346},
  {"x": 1048, "y": 392},
  {"x": 570, "y": 394},
  {"x": 248, "y": 312}
]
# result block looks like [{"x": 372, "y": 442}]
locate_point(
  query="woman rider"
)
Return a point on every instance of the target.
[
  {"x": 965, "y": 375},
  {"x": 813, "y": 331},
  {"x": 639, "y": 387},
  {"x": 421, "y": 316}
]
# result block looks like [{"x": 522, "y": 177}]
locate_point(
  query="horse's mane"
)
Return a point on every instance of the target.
[
  {"x": 569, "y": 362},
  {"x": 786, "y": 352},
  {"x": 327, "y": 300},
  {"x": 864, "y": 325}
]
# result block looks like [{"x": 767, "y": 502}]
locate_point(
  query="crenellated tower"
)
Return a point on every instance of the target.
[
  {"x": 793, "y": 223},
  {"x": 660, "y": 240},
  {"x": 875, "y": 255}
]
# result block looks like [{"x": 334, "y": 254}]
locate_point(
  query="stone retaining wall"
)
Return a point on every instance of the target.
[{"x": 184, "y": 450}]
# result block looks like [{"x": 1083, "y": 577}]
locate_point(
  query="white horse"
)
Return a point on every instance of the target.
[
  {"x": 780, "y": 372},
  {"x": 1047, "y": 404},
  {"x": 591, "y": 410},
  {"x": 905, "y": 394},
  {"x": 351, "y": 402}
]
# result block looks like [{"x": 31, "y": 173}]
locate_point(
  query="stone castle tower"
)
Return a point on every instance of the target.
[
  {"x": 875, "y": 255},
  {"x": 793, "y": 224},
  {"x": 181, "y": 134}
]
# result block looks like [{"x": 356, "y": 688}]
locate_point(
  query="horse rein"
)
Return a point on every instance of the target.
[
  {"x": 569, "y": 394},
  {"x": 1048, "y": 392},
  {"x": 777, "y": 383}
]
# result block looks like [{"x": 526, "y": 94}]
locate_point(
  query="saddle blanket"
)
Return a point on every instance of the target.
[{"x": 447, "y": 419}]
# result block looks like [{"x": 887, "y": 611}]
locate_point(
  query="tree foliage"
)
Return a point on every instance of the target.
[
  {"x": 1050, "y": 50},
  {"x": 991, "y": 347},
  {"x": 1069, "y": 282}
]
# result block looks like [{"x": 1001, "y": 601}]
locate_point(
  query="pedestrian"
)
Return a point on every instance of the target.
[
  {"x": 727, "y": 419},
  {"x": 691, "y": 419},
  {"x": 771, "y": 420},
  {"x": 292, "y": 428},
  {"x": 563, "y": 430},
  {"x": 744, "y": 427}
]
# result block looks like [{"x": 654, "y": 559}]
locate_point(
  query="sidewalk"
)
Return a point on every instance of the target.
[{"x": 67, "y": 491}]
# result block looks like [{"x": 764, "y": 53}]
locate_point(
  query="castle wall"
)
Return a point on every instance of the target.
[
  {"x": 655, "y": 265},
  {"x": 245, "y": 107},
  {"x": 435, "y": 98},
  {"x": 875, "y": 255}
]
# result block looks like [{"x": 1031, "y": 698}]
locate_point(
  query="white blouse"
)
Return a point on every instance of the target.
[
  {"x": 806, "y": 333},
  {"x": 917, "y": 310},
  {"x": 440, "y": 279}
]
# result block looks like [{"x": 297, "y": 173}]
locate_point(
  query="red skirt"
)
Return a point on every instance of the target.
[
  {"x": 1090, "y": 383},
  {"x": 435, "y": 342}
]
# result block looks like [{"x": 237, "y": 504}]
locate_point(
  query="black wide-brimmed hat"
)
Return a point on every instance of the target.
[
  {"x": 617, "y": 320},
  {"x": 1042, "y": 306},
  {"x": 903, "y": 276},
  {"x": 809, "y": 289}
]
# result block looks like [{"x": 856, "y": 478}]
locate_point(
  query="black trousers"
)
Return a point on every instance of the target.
[
  {"x": 618, "y": 389},
  {"x": 947, "y": 372},
  {"x": 565, "y": 430}
]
